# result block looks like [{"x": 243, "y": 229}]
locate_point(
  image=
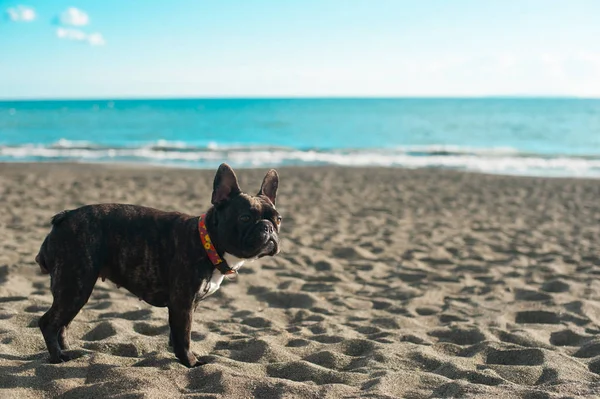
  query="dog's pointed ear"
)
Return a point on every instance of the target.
[
  {"x": 269, "y": 185},
  {"x": 225, "y": 185}
]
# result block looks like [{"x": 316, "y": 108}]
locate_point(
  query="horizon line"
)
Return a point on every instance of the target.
[{"x": 333, "y": 97}]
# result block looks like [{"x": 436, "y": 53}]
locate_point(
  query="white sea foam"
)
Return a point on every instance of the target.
[{"x": 488, "y": 160}]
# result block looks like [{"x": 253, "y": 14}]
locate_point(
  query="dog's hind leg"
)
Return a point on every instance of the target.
[
  {"x": 63, "y": 342},
  {"x": 71, "y": 292}
]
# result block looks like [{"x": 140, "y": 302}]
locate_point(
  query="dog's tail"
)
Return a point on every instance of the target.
[{"x": 40, "y": 258}]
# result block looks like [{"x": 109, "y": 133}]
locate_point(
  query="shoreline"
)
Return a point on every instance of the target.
[{"x": 188, "y": 168}]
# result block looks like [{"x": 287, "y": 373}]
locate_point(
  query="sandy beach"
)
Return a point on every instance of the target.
[{"x": 391, "y": 284}]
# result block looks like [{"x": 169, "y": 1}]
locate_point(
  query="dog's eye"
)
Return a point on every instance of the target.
[
  {"x": 244, "y": 218},
  {"x": 279, "y": 218}
]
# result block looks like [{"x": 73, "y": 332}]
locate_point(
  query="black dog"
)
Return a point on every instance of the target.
[{"x": 165, "y": 258}]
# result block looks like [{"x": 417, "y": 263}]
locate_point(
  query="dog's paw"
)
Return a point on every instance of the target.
[
  {"x": 190, "y": 360},
  {"x": 197, "y": 364},
  {"x": 56, "y": 360},
  {"x": 66, "y": 356},
  {"x": 204, "y": 359},
  {"x": 60, "y": 358},
  {"x": 192, "y": 364}
]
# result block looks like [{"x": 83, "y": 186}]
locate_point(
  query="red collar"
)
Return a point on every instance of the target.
[{"x": 210, "y": 249}]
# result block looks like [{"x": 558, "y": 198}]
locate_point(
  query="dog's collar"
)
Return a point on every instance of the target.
[{"x": 210, "y": 249}]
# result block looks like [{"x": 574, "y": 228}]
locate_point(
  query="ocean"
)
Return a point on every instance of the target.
[{"x": 542, "y": 137}]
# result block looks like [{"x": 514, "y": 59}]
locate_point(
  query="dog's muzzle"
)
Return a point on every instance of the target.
[{"x": 263, "y": 239}]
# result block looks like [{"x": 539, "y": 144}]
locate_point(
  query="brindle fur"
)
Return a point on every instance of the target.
[{"x": 156, "y": 255}]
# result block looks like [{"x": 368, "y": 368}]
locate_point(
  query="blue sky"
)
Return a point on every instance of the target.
[{"x": 243, "y": 48}]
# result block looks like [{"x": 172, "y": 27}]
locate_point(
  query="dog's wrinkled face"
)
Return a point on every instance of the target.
[{"x": 247, "y": 226}]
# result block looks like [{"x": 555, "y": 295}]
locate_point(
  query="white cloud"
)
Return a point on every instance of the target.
[
  {"x": 21, "y": 14},
  {"x": 71, "y": 34},
  {"x": 74, "y": 17},
  {"x": 94, "y": 39}
]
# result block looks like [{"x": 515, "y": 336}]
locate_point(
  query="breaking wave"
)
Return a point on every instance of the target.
[{"x": 487, "y": 160}]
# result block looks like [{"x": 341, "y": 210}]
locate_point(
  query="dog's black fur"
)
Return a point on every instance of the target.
[{"x": 158, "y": 256}]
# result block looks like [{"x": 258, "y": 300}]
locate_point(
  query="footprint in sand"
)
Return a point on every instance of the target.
[
  {"x": 548, "y": 317},
  {"x": 131, "y": 315},
  {"x": 102, "y": 331},
  {"x": 257, "y": 322},
  {"x": 455, "y": 372},
  {"x": 412, "y": 338},
  {"x": 410, "y": 277},
  {"x": 516, "y": 357},
  {"x": 357, "y": 347},
  {"x": 36, "y": 308},
  {"x": 323, "y": 266},
  {"x": 305, "y": 371},
  {"x": 459, "y": 335},
  {"x": 327, "y": 339},
  {"x": 555, "y": 286},
  {"x": 381, "y": 305},
  {"x": 251, "y": 351},
  {"x": 159, "y": 360},
  {"x": 329, "y": 359},
  {"x": 537, "y": 317},
  {"x": 6, "y": 314},
  {"x": 297, "y": 343},
  {"x": 317, "y": 287},
  {"x": 529, "y": 295},
  {"x": 594, "y": 366},
  {"x": 427, "y": 310},
  {"x": 353, "y": 253},
  {"x": 115, "y": 349},
  {"x": 589, "y": 349},
  {"x": 366, "y": 330},
  {"x": 102, "y": 305},
  {"x": 568, "y": 338},
  {"x": 283, "y": 299},
  {"x": 149, "y": 329},
  {"x": 206, "y": 381},
  {"x": 12, "y": 299},
  {"x": 425, "y": 360}
]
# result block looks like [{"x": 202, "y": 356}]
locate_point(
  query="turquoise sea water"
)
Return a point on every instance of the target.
[{"x": 553, "y": 137}]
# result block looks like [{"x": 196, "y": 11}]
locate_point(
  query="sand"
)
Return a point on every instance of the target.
[{"x": 391, "y": 283}]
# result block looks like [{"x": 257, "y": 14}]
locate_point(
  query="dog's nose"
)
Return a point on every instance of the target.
[{"x": 268, "y": 228}]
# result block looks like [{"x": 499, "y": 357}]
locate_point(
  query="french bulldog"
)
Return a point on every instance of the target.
[{"x": 168, "y": 259}]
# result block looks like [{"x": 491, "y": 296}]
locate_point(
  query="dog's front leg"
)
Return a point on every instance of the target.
[{"x": 180, "y": 321}]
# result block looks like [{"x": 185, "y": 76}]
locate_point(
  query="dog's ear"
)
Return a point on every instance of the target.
[
  {"x": 269, "y": 185},
  {"x": 225, "y": 185}
]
